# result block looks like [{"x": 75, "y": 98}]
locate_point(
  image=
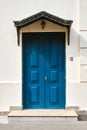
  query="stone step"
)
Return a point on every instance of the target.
[{"x": 42, "y": 115}]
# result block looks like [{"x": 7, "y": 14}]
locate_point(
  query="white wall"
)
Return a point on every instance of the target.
[
  {"x": 10, "y": 53},
  {"x": 83, "y": 53},
  {"x": 10, "y": 95}
]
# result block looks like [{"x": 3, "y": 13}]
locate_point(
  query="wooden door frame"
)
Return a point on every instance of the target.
[{"x": 65, "y": 64}]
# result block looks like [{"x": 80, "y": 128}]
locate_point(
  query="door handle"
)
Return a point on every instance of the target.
[{"x": 46, "y": 78}]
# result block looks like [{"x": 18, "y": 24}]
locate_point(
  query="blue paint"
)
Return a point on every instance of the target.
[{"x": 43, "y": 54}]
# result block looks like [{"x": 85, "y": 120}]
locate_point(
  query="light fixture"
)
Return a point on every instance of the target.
[{"x": 43, "y": 23}]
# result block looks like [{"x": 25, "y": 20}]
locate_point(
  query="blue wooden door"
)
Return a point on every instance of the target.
[{"x": 43, "y": 70}]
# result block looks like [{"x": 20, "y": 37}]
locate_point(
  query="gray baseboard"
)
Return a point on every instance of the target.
[
  {"x": 82, "y": 115},
  {"x": 13, "y": 108},
  {"x": 76, "y": 108}
]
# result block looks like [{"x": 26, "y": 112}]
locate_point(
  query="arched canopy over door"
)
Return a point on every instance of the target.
[{"x": 42, "y": 15}]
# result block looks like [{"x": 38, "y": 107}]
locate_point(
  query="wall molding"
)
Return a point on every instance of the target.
[
  {"x": 83, "y": 47},
  {"x": 83, "y": 81},
  {"x": 84, "y": 30},
  {"x": 83, "y": 64}
]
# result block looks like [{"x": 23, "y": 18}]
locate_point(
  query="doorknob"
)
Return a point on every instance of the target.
[{"x": 46, "y": 78}]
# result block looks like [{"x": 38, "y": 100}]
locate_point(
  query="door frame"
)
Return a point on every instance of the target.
[
  {"x": 51, "y": 27},
  {"x": 65, "y": 65}
]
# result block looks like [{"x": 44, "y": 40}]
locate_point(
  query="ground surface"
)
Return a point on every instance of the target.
[{"x": 79, "y": 125}]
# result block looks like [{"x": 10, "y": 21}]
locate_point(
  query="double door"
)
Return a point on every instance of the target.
[{"x": 43, "y": 58}]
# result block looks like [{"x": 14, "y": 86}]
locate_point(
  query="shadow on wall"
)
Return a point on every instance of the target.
[{"x": 74, "y": 48}]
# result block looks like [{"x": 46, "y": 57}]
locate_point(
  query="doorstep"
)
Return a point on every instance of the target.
[{"x": 42, "y": 115}]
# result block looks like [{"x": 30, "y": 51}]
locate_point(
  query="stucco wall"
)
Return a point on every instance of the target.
[{"x": 10, "y": 53}]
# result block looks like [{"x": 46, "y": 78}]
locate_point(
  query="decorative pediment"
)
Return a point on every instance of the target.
[{"x": 43, "y": 15}]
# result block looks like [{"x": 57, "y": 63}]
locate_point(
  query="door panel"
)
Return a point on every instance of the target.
[
  {"x": 55, "y": 71},
  {"x": 33, "y": 73},
  {"x": 43, "y": 70}
]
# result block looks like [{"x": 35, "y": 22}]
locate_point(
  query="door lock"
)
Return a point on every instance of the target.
[{"x": 46, "y": 78}]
